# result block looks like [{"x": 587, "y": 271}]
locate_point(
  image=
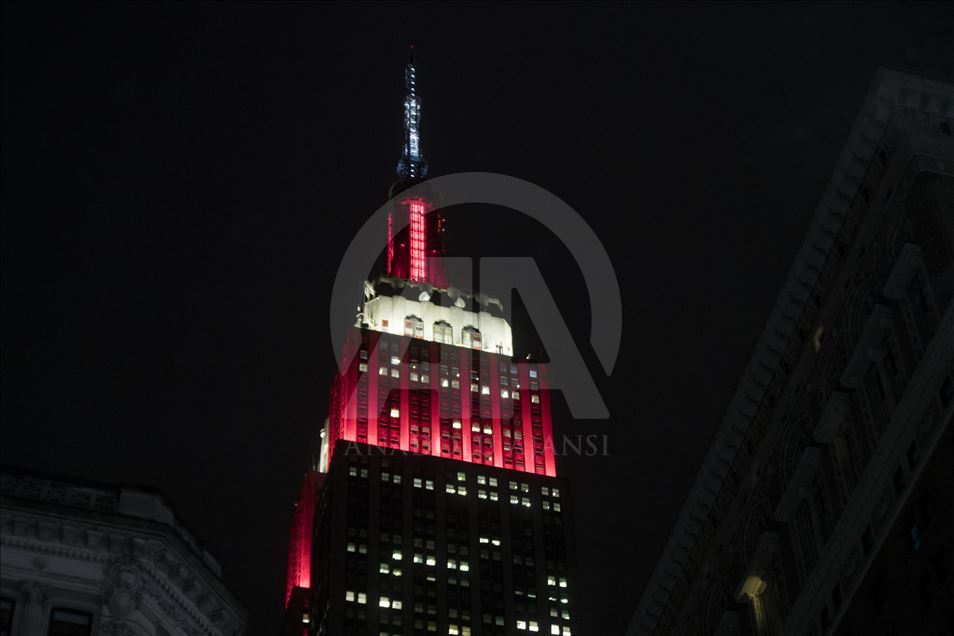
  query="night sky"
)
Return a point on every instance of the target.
[{"x": 179, "y": 183}]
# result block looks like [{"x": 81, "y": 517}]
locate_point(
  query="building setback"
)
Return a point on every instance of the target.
[
  {"x": 824, "y": 506},
  {"x": 434, "y": 507}
]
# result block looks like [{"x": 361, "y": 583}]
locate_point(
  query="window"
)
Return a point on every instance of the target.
[
  {"x": 414, "y": 327},
  {"x": 67, "y": 622},
  {"x": 443, "y": 332},
  {"x": 470, "y": 337}
]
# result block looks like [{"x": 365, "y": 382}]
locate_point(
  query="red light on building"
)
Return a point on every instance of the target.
[
  {"x": 425, "y": 397},
  {"x": 418, "y": 240},
  {"x": 299, "y": 547}
]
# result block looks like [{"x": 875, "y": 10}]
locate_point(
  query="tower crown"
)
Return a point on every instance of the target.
[{"x": 412, "y": 165}]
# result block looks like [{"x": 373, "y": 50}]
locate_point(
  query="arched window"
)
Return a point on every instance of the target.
[
  {"x": 470, "y": 337},
  {"x": 414, "y": 327},
  {"x": 443, "y": 332}
]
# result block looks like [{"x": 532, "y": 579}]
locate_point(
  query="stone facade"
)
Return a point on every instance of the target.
[
  {"x": 846, "y": 396},
  {"x": 83, "y": 558}
]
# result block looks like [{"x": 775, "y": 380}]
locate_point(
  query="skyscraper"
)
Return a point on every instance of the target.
[
  {"x": 826, "y": 503},
  {"x": 435, "y": 506}
]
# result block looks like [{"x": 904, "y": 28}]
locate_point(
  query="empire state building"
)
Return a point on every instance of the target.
[{"x": 434, "y": 507}]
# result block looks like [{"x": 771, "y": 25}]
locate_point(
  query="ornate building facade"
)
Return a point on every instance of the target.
[
  {"x": 824, "y": 505},
  {"x": 82, "y": 558}
]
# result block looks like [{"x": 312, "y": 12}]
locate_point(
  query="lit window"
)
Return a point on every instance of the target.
[
  {"x": 443, "y": 332},
  {"x": 396, "y": 555},
  {"x": 395, "y": 412},
  {"x": 449, "y": 489},
  {"x": 363, "y": 367},
  {"x": 492, "y": 481},
  {"x": 495, "y": 541},
  {"x": 455, "y": 424},
  {"x": 351, "y": 547},
  {"x": 481, "y": 494},
  {"x": 475, "y": 428},
  {"x": 534, "y": 627},
  {"x": 514, "y": 499},
  {"x": 382, "y": 371},
  {"x": 535, "y": 398},
  {"x": 533, "y": 373},
  {"x": 430, "y": 561},
  {"x": 414, "y": 327},
  {"x": 417, "y": 482},
  {"x": 462, "y": 490},
  {"x": 452, "y": 564},
  {"x": 445, "y": 383},
  {"x": 493, "y": 495},
  {"x": 488, "y": 430},
  {"x": 504, "y": 393},
  {"x": 362, "y": 598},
  {"x": 470, "y": 337},
  {"x": 546, "y": 505},
  {"x": 349, "y": 596},
  {"x": 513, "y": 485},
  {"x": 353, "y": 471},
  {"x": 525, "y": 487},
  {"x": 464, "y": 566},
  {"x": 429, "y": 485},
  {"x": 395, "y": 373},
  {"x": 544, "y": 490},
  {"x": 555, "y": 629},
  {"x": 562, "y": 582},
  {"x": 395, "y": 360},
  {"x": 521, "y": 624},
  {"x": 474, "y": 387},
  {"x": 384, "y": 602},
  {"x": 481, "y": 479},
  {"x": 556, "y": 506},
  {"x": 485, "y": 390},
  {"x": 526, "y": 502},
  {"x": 395, "y": 604},
  {"x": 551, "y": 580}
]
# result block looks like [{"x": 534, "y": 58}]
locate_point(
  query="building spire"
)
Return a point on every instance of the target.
[{"x": 412, "y": 164}]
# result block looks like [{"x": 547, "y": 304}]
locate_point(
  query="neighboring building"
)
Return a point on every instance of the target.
[
  {"x": 825, "y": 503},
  {"x": 82, "y": 558},
  {"x": 434, "y": 507}
]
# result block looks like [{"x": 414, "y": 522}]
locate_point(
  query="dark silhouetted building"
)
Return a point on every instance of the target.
[
  {"x": 435, "y": 506},
  {"x": 79, "y": 558},
  {"x": 824, "y": 505}
]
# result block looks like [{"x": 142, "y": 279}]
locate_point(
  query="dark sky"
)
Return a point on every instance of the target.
[{"x": 180, "y": 181}]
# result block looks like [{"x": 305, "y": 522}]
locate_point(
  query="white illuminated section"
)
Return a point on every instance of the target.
[{"x": 388, "y": 314}]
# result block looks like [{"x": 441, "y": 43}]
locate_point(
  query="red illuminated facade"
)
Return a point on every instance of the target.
[
  {"x": 401, "y": 392},
  {"x": 415, "y": 253}
]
